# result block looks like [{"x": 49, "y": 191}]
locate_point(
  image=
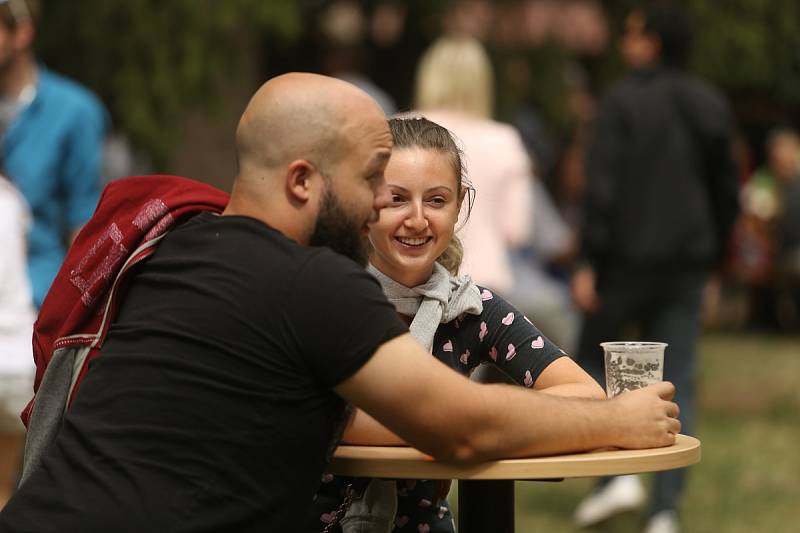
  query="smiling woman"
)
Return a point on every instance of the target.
[
  {"x": 427, "y": 191},
  {"x": 416, "y": 257}
]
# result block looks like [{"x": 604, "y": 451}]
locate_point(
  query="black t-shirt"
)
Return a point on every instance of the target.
[{"x": 210, "y": 407}]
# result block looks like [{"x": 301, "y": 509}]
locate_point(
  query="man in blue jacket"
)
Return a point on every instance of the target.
[{"x": 52, "y": 132}]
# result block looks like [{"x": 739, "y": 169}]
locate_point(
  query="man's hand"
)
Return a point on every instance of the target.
[
  {"x": 647, "y": 417},
  {"x": 584, "y": 291}
]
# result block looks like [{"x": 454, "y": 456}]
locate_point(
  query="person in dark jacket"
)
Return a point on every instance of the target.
[{"x": 660, "y": 204}]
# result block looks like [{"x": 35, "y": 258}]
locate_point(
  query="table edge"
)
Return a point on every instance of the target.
[{"x": 409, "y": 463}]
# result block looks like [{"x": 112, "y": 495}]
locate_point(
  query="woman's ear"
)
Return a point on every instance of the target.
[{"x": 463, "y": 195}]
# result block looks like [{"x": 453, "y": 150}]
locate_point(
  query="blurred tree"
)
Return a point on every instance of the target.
[
  {"x": 153, "y": 61},
  {"x": 749, "y": 45}
]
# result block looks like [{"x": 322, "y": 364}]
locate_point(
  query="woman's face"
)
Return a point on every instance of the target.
[{"x": 417, "y": 225}]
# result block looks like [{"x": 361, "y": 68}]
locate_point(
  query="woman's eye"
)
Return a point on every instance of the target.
[
  {"x": 396, "y": 199},
  {"x": 437, "y": 201}
]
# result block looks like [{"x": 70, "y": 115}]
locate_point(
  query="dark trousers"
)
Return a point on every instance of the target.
[{"x": 663, "y": 307}]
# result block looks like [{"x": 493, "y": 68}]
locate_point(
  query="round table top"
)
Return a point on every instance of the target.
[{"x": 406, "y": 462}]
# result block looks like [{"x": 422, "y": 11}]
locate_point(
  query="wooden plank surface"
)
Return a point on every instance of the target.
[{"x": 405, "y": 462}]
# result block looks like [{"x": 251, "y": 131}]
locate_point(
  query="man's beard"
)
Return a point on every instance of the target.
[{"x": 339, "y": 231}]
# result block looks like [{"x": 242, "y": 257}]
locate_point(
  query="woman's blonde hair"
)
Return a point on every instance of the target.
[
  {"x": 455, "y": 73},
  {"x": 419, "y": 132}
]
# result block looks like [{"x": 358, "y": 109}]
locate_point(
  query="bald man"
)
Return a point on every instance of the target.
[{"x": 224, "y": 383}]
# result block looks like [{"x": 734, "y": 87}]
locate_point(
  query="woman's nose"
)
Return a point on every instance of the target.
[{"x": 416, "y": 219}]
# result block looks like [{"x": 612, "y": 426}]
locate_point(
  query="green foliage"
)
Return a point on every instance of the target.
[
  {"x": 153, "y": 60},
  {"x": 749, "y": 45}
]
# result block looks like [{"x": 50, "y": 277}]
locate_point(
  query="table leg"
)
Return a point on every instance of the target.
[{"x": 486, "y": 506}]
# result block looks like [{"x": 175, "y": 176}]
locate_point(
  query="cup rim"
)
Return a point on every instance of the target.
[{"x": 633, "y": 345}]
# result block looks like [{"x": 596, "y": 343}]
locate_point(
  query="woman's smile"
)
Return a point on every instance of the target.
[{"x": 413, "y": 242}]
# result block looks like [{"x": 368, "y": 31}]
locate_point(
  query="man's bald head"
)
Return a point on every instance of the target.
[
  {"x": 305, "y": 142},
  {"x": 300, "y": 116}
]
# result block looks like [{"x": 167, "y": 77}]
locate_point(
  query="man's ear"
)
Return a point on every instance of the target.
[
  {"x": 23, "y": 35},
  {"x": 299, "y": 179}
]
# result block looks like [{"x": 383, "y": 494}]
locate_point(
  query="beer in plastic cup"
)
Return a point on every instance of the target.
[{"x": 632, "y": 365}]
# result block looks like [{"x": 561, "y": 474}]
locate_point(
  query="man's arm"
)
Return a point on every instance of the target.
[
  {"x": 446, "y": 415},
  {"x": 562, "y": 377}
]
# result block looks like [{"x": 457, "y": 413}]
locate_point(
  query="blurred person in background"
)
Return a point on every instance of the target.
[
  {"x": 454, "y": 87},
  {"x": 540, "y": 265},
  {"x": 770, "y": 222},
  {"x": 661, "y": 200},
  {"x": 16, "y": 324},
  {"x": 52, "y": 132},
  {"x": 538, "y": 290},
  {"x": 343, "y": 26}
]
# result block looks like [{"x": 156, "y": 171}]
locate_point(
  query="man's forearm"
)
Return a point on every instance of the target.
[{"x": 542, "y": 424}]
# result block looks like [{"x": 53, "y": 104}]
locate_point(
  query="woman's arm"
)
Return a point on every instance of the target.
[
  {"x": 365, "y": 430},
  {"x": 563, "y": 377}
]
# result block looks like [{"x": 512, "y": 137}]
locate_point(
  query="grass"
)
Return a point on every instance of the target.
[{"x": 749, "y": 423}]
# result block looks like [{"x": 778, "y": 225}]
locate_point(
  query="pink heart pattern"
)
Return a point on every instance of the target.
[
  {"x": 423, "y": 528},
  {"x": 448, "y": 346},
  {"x": 484, "y": 330},
  {"x": 493, "y": 353},
  {"x": 537, "y": 343},
  {"x": 508, "y": 319},
  {"x": 442, "y": 512},
  {"x": 528, "y": 379},
  {"x": 464, "y": 357},
  {"x": 328, "y": 517},
  {"x": 512, "y": 351},
  {"x": 486, "y": 295},
  {"x": 400, "y": 521}
]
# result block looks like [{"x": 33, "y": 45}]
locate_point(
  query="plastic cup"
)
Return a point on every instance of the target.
[{"x": 632, "y": 365}]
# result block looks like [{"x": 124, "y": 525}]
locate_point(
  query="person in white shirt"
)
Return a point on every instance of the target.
[{"x": 16, "y": 322}]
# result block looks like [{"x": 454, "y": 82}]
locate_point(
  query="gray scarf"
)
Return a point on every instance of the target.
[{"x": 437, "y": 301}]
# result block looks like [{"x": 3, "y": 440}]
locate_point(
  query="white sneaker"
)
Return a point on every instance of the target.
[
  {"x": 663, "y": 522},
  {"x": 623, "y": 493}
]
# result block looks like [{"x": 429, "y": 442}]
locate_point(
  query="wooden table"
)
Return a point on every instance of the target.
[{"x": 486, "y": 490}]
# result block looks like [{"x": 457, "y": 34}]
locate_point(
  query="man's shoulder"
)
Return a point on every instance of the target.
[{"x": 321, "y": 261}]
